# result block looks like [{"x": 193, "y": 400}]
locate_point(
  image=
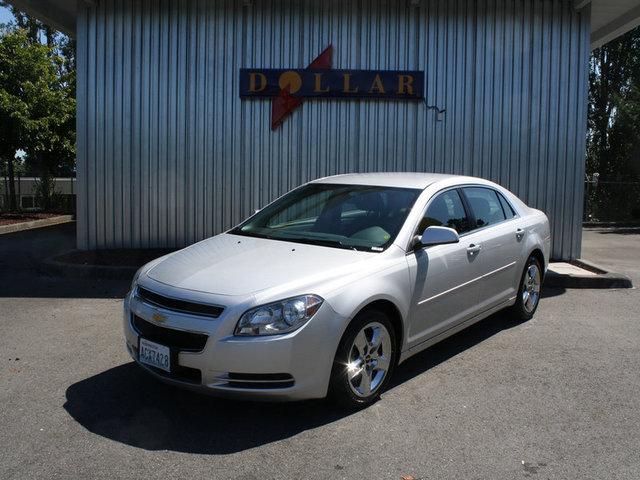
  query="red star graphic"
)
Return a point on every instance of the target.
[{"x": 284, "y": 104}]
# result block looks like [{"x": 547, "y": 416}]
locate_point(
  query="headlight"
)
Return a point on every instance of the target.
[
  {"x": 135, "y": 279},
  {"x": 279, "y": 317}
]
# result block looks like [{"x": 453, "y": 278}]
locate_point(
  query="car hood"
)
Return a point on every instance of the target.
[{"x": 237, "y": 265}]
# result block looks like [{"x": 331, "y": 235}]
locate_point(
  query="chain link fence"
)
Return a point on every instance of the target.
[{"x": 611, "y": 199}]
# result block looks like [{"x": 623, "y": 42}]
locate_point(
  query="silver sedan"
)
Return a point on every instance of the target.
[{"x": 328, "y": 288}]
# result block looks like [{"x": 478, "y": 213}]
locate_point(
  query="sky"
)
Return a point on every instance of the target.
[{"x": 5, "y": 15}]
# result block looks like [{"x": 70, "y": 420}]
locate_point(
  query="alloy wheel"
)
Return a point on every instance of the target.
[
  {"x": 369, "y": 359},
  {"x": 531, "y": 288}
]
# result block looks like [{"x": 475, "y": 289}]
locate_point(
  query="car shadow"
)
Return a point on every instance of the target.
[
  {"x": 548, "y": 292},
  {"x": 23, "y": 273},
  {"x": 127, "y": 405}
]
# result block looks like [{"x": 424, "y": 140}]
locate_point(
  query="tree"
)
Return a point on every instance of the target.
[
  {"x": 37, "y": 112},
  {"x": 50, "y": 145},
  {"x": 613, "y": 142}
]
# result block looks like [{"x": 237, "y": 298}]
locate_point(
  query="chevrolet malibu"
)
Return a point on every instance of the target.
[{"x": 324, "y": 291}]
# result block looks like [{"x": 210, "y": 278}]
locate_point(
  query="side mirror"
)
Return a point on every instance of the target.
[{"x": 437, "y": 236}]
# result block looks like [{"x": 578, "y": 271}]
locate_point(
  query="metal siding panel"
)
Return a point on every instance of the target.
[
  {"x": 478, "y": 87},
  {"x": 484, "y": 165},
  {"x": 168, "y": 153},
  {"x": 169, "y": 69},
  {"x": 572, "y": 125},
  {"x": 200, "y": 112},
  {"x": 582, "y": 63},
  {"x": 560, "y": 160},
  {"x": 110, "y": 162},
  {"x": 176, "y": 177},
  {"x": 209, "y": 125},
  {"x": 513, "y": 156},
  {"x": 542, "y": 176},
  {"x": 507, "y": 133},
  {"x": 135, "y": 111},
  {"x": 522, "y": 79},
  {"x": 536, "y": 138},
  {"x": 564, "y": 155},
  {"x": 147, "y": 129},
  {"x": 118, "y": 122},
  {"x": 554, "y": 145},
  {"x": 467, "y": 83},
  {"x": 82, "y": 119},
  {"x": 127, "y": 115},
  {"x": 100, "y": 132}
]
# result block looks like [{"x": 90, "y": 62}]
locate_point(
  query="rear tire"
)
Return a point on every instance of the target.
[
  {"x": 529, "y": 290},
  {"x": 364, "y": 361}
]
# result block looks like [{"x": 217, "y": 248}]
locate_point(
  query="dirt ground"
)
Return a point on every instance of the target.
[{"x": 21, "y": 217}]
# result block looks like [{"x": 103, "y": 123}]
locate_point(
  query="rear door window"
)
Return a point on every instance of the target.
[{"x": 485, "y": 204}]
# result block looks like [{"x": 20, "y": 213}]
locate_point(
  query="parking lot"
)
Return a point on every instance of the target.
[{"x": 555, "y": 397}]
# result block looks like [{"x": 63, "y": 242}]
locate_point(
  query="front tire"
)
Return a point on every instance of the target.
[
  {"x": 529, "y": 290},
  {"x": 364, "y": 361}
]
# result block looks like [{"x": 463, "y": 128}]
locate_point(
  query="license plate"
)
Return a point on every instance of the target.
[{"x": 154, "y": 354}]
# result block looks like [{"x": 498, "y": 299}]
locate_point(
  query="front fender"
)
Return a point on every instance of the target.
[{"x": 391, "y": 284}]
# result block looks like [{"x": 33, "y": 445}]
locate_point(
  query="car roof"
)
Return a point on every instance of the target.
[{"x": 395, "y": 179}]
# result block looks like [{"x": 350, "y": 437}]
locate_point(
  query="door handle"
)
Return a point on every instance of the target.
[
  {"x": 473, "y": 249},
  {"x": 519, "y": 233}
]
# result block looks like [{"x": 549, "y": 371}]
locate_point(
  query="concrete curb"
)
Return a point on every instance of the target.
[
  {"x": 45, "y": 222},
  {"x": 53, "y": 267},
  {"x": 629, "y": 224},
  {"x": 603, "y": 279}
]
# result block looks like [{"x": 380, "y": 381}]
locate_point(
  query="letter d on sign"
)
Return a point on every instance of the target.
[{"x": 253, "y": 84}]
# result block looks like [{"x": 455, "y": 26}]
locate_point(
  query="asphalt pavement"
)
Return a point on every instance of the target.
[
  {"x": 617, "y": 249},
  {"x": 552, "y": 398}
]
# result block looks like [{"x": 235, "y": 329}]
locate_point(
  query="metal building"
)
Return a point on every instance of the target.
[{"x": 168, "y": 152}]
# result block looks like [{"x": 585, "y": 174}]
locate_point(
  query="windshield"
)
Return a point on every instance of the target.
[{"x": 360, "y": 217}]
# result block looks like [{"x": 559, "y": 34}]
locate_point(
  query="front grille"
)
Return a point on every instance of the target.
[
  {"x": 177, "y": 305},
  {"x": 169, "y": 337},
  {"x": 260, "y": 381}
]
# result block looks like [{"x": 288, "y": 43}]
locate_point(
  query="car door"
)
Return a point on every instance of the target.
[
  {"x": 500, "y": 240},
  {"x": 445, "y": 277}
]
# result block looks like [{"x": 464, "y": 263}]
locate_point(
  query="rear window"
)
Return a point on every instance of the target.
[{"x": 506, "y": 206}]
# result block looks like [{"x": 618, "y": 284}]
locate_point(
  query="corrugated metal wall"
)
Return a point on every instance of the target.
[{"x": 168, "y": 153}]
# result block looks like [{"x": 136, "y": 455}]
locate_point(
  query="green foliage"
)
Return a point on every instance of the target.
[
  {"x": 613, "y": 142},
  {"x": 47, "y": 197}
]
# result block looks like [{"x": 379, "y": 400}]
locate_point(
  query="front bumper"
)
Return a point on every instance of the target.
[{"x": 292, "y": 366}]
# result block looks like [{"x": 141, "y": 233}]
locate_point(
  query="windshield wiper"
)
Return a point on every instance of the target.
[
  {"x": 322, "y": 242},
  {"x": 325, "y": 242},
  {"x": 238, "y": 231}
]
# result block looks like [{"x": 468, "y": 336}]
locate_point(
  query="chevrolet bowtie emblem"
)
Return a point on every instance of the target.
[{"x": 158, "y": 317}]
